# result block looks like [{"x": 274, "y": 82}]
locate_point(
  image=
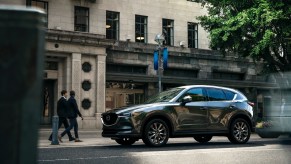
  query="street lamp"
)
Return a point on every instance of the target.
[{"x": 159, "y": 39}]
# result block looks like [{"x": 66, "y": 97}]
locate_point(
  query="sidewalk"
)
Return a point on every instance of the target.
[{"x": 90, "y": 137}]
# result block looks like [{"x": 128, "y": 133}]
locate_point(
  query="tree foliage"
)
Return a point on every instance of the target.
[{"x": 260, "y": 29}]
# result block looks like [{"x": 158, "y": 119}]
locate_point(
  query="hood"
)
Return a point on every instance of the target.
[{"x": 129, "y": 109}]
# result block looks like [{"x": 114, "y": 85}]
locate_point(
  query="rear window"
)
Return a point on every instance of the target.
[
  {"x": 229, "y": 95},
  {"x": 240, "y": 97}
]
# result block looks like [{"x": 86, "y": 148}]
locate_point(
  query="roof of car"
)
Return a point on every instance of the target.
[{"x": 210, "y": 86}]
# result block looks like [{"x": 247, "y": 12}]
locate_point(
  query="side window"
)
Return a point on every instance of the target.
[
  {"x": 229, "y": 95},
  {"x": 216, "y": 94},
  {"x": 196, "y": 94}
]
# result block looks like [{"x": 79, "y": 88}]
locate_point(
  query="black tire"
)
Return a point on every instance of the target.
[
  {"x": 203, "y": 138},
  {"x": 125, "y": 141},
  {"x": 156, "y": 133},
  {"x": 239, "y": 132}
]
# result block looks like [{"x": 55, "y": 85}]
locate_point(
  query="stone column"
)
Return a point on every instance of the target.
[
  {"x": 76, "y": 78},
  {"x": 100, "y": 88}
]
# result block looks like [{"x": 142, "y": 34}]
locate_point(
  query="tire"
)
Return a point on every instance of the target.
[
  {"x": 156, "y": 133},
  {"x": 203, "y": 139},
  {"x": 239, "y": 132},
  {"x": 125, "y": 141}
]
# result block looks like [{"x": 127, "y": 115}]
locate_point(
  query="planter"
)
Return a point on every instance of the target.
[{"x": 267, "y": 133}]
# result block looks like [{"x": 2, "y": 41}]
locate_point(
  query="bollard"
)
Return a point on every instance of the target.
[
  {"x": 21, "y": 69},
  {"x": 55, "y": 126}
]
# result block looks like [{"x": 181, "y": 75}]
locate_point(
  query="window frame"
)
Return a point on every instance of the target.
[
  {"x": 87, "y": 16},
  {"x": 192, "y": 35},
  {"x": 123, "y": 69},
  {"x": 112, "y": 30},
  {"x": 168, "y": 31},
  {"x": 139, "y": 32}
]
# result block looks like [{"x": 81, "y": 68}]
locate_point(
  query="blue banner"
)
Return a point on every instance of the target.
[
  {"x": 156, "y": 60},
  {"x": 165, "y": 58}
]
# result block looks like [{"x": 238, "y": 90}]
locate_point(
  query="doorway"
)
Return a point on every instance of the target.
[{"x": 47, "y": 109}]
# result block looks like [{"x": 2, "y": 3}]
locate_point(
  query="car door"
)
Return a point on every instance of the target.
[
  {"x": 219, "y": 106},
  {"x": 193, "y": 116}
]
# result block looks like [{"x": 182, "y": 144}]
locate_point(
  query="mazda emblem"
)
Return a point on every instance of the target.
[{"x": 107, "y": 118}]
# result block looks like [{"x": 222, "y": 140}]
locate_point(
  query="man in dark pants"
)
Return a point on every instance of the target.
[
  {"x": 72, "y": 115},
  {"x": 62, "y": 110}
]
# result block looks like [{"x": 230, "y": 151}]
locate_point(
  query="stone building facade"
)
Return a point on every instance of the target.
[{"x": 103, "y": 49}]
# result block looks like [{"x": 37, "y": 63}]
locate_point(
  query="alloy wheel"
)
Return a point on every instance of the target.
[
  {"x": 239, "y": 131},
  {"x": 156, "y": 133}
]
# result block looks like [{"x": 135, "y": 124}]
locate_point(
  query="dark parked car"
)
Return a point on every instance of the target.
[{"x": 198, "y": 111}]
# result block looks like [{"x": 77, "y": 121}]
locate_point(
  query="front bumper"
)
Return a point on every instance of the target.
[
  {"x": 122, "y": 128},
  {"x": 120, "y": 134}
]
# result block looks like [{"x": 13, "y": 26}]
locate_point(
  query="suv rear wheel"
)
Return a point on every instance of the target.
[
  {"x": 125, "y": 141},
  {"x": 239, "y": 131},
  {"x": 203, "y": 139},
  {"x": 156, "y": 133}
]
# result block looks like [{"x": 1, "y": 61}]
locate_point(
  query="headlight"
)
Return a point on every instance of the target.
[{"x": 124, "y": 115}]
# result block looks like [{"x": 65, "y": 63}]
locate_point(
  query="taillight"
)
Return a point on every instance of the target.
[{"x": 251, "y": 104}]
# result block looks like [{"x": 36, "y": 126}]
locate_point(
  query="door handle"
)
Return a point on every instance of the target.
[{"x": 203, "y": 108}]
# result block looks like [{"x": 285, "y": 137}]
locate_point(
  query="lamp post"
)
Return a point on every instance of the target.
[{"x": 159, "y": 39}]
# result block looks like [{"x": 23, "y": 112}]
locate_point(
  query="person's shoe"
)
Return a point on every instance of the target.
[
  {"x": 78, "y": 140},
  {"x": 60, "y": 138},
  {"x": 50, "y": 139},
  {"x": 72, "y": 139}
]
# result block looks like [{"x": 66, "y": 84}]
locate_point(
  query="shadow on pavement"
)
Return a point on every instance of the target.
[{"x": 139, "y": 146}]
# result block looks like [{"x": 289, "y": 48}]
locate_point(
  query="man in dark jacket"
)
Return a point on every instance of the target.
[
  {"x": 62, "y": 110},
  {"x": 72, "y": 115}
]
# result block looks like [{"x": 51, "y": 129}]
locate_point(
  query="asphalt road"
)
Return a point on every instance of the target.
[{"x": 178, "y": 150}]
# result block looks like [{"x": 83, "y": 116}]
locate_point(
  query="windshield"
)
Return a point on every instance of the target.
[{"x": 165, "y": 96}]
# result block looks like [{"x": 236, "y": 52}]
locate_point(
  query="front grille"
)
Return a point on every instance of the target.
[{"x": 109, "y": 118}]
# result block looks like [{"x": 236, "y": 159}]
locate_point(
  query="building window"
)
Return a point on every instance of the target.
[
  {"x": 86, "y": 104},
  {"x": 228, "y": 75},
  {"x": 112, "y": 25},
  {"x": 81, "y": 19},
  {"x": 127, "y": 69},
  {"x": 192, "y": 35},
  {"x": 39, "y": 4},
  {"x": 141, "y": 29},
  {"x": 86, "y": 85},
  {"x": 168, "y": 31},
  {"x": 86, "y": 67},
  {"x": 51, "y": 65},
  {"x": 188, "y": 73}
]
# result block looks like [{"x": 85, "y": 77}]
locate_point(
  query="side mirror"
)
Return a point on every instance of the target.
[{"x": 186, "y": 100}]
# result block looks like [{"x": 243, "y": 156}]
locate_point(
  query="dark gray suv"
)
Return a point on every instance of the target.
[{"x": 198, "y": 111}]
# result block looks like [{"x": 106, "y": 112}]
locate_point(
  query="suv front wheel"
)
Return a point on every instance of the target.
[
  {"x": 239, "y": 131},
  {"x": 156, "y": 133}
]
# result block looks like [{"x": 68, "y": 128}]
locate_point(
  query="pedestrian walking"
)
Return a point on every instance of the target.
[
  {"x": 72, "y": 115},
  {"x": 62, "y": 111}
]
